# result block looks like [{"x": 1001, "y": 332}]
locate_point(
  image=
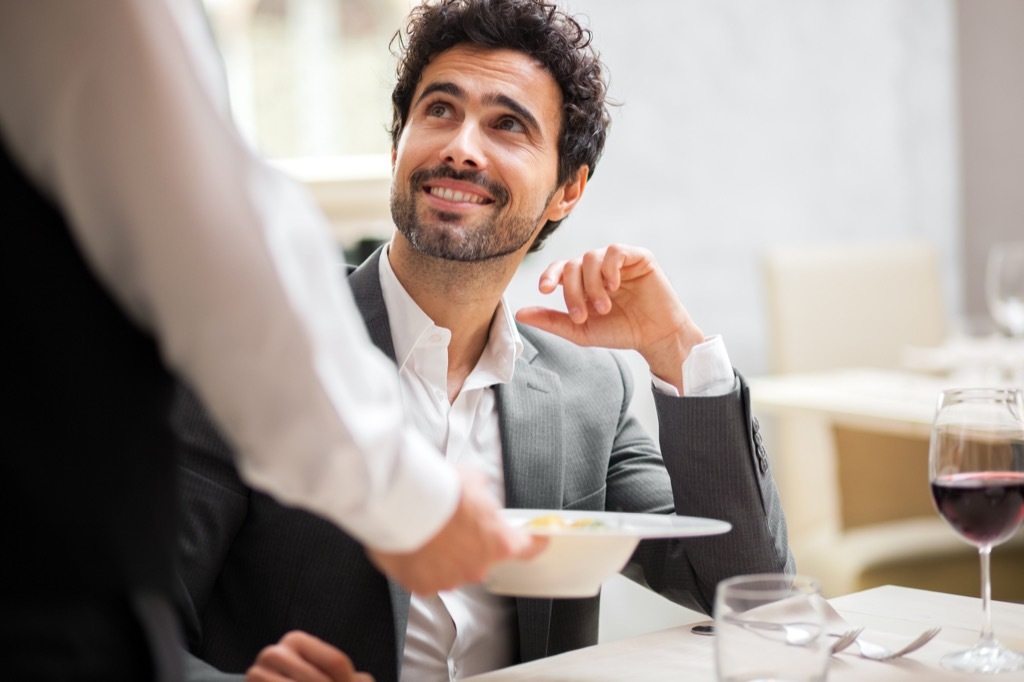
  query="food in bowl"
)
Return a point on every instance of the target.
[{"x": 556, "y": 522}]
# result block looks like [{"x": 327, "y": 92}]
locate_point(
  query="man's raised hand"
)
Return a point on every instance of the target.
[{"x": 619, "y": 297}]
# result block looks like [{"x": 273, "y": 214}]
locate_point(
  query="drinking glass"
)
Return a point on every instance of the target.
[
  {"x": 770, "y": 627},
  {"x": 976, "y": 469},
  {"x": 1004, "y": 287}
]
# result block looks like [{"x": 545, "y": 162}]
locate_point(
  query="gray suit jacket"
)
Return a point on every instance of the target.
[{"x": 252, "y": 569}]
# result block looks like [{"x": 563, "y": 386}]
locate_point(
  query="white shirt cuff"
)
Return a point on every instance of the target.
[{"x": 707, "y": 372}]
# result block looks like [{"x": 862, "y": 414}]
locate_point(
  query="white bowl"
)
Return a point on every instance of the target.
[{"x": 578, "y": 560}]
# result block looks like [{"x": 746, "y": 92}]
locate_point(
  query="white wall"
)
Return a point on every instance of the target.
[{"x": 748, "y": 123}]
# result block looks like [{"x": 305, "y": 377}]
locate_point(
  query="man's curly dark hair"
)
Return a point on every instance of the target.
[{"x": 534, "y": 27}]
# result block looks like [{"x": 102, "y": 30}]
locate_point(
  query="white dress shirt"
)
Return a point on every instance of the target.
[
  {"x": 468, "y": 631},
  {"x": 465, "y": 631},
  {"x": 117, "y": 110}
]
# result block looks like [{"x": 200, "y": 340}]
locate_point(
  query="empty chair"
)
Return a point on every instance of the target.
[{"x": 851, "y": 305}]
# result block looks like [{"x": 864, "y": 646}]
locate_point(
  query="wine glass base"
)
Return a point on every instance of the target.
[{"x": 985, "y": 657}]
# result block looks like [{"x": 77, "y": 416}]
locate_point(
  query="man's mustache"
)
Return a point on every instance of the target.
[{"x": 420, "y": 177}]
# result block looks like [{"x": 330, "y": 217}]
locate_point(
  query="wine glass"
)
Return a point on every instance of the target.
[
  {"x": 1004, "y": 287},
  {"x": 976, "y": 469}
]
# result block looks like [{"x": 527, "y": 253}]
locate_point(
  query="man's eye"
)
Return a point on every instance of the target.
[
  {"x": 511, "y": 125},
  {"x": 438, "y": 109}
]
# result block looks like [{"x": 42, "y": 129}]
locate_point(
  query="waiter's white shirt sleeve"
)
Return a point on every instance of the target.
[{"x": 117, "y": 110}]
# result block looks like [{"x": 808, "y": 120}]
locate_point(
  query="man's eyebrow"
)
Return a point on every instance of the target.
[
  {"x": 519, "y": 109},
  {"x": 445, "y": 87}
]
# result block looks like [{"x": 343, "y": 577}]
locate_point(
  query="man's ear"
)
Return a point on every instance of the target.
[
  {"x": 568, "y": 195},
  {"x": 394, "y": 158}
]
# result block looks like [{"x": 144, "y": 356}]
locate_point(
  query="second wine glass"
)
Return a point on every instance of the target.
[
  {"x": 1004, "y": 287},
  {"x": 976, "y": 469}
]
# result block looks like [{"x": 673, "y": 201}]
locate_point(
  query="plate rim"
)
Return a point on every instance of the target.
[{"x": 678, "y": 526}]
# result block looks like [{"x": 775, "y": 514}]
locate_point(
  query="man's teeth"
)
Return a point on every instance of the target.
[{"x": 450, "y": 195}]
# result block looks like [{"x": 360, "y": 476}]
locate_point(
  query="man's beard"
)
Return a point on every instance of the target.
[{"x": 451, "y": 236}]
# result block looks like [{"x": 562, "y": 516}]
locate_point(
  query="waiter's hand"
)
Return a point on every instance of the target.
[
  {"x": 301, "y": 657},
  {"x": 474, "y": 539}
]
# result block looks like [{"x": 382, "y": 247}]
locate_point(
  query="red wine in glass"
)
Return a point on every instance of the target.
[
  {"x": 976, "y": 470},
  {"x": 985, "y": 507}
]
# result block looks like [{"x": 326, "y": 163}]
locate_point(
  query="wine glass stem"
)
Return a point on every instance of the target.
[{"x": 985, "y": 552}]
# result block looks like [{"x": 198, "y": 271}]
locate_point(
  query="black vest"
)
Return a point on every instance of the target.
[{"x": 88, "y": 504}]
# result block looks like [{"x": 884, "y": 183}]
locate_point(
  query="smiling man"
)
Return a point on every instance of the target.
[
  {"x": 475, "y": 167},
  {"x": 500, "y": 118}
]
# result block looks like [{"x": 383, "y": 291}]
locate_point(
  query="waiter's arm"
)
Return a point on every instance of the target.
[{"x": 116, "y": 110}]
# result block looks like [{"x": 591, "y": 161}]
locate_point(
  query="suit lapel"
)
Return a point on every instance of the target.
[
  {"x": 530, "y": 413},
  {"x": 365, "y": 284}
]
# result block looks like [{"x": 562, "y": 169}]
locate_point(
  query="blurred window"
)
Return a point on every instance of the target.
[{"x": 309, "y": 78}]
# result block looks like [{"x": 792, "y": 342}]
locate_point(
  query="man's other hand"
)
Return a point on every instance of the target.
[
  {"x": 619, "y": 297},
  {"x": 301, "y": 657},
  {"x": 473, "y": 540}
]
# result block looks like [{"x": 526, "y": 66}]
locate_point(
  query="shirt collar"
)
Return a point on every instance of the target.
[{"x": 412, "y": 328}]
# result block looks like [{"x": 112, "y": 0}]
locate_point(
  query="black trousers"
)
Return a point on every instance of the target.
[{"x": 90, "y": 639}]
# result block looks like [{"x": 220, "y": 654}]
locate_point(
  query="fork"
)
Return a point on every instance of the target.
[
  {"x": 877, "y": 652},
  {"x": 845, "y": 639}
]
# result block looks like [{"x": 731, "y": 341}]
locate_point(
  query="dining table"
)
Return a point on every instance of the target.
[{"x": 889, "y": 613}]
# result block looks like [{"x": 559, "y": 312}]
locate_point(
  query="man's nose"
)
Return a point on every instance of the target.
[{"x": 465, "y": 148}]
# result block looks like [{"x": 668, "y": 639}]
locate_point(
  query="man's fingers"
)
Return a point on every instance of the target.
[
  {"x": 573, "y": 292},
  {"x": 550, "y": 277},
  {"x": 611, "y": 266},
  {"x": 551, "y": 321},
  {"x": 281, "y": 662},
  {"x": 301, "y": 657},
  {"x": 261, "y": 674},
  {"x": 327, "y": 659},
  {"x": 588, "y": 281},
  {"x": 595, "y": 287}
]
